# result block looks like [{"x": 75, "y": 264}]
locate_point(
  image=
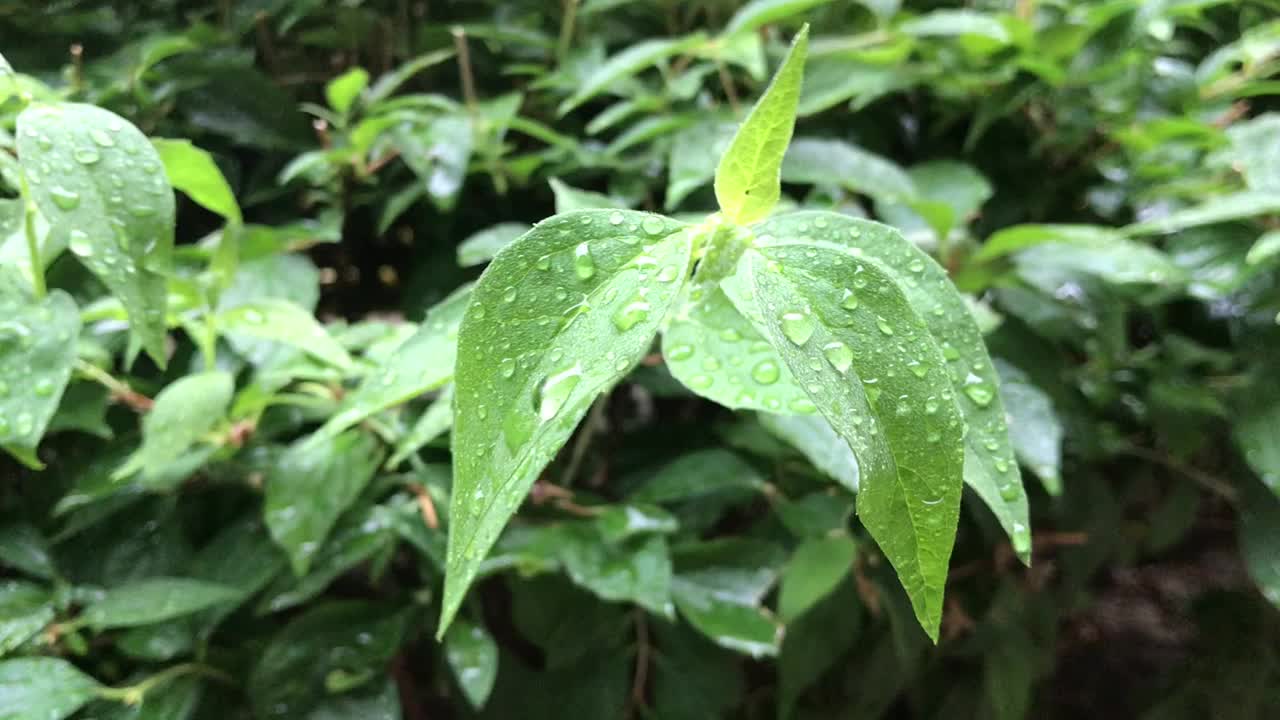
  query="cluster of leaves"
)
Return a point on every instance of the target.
[{"x": 242, "y": 420}]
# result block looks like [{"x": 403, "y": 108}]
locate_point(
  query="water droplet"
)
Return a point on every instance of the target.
[
  {"x": 884, "y": 325},
  {"x": 730, "y": 335},
  {"x": 668, "y": 273},
  {"x": 1010, "y": 492},
  {"x": 679, "y": 353},
  {"x": 65, "y": 199},
  {"x": 949, "y": 352},
  {"x": 797, "y": 327},
  {"x": 86, "y": 156},
  {"x": 839, "y": 355},
  {"x": 652, "y": 225},
  {"x": 1021, "y": 538},
  {"x": 631, "y": 314},
  {"x": 509, "y": 295},
  {"x": 543, "y": 263},
  {"x": 802, "y": 405},
  {"x": 101, "y": 138},
  {"x": 980, "y": 393},
  {"x": 711, "y": 364},
  {"x": 583, "y": 265},
  {"x": 848, "y": 300},
  {"x": 766, "y": 372},
  {"x": 25, "y": 424},
  {"x": 931, "y": 406},
  {"x": 700, "y": 382},
  {"x": 918, "y": 368},
  {"x": 141, "y": 211},
  {"x": 507, "y": 367},
  {"x": 44, "y": 142},
  {"x": 253, "y": 317},
  {"x": 80, "y": 243},
  {"x": 44, "y": 387},
  {"x": 916, "y": 266},
  {"x": 615, "y": 218},
  {"x": 555, "y": 390}
]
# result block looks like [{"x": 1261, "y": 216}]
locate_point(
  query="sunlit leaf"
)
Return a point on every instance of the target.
[
  {"x": 473, "y": 656},
  {"x": 43, "y": 688},
  {"x": 37, "y": 350}
]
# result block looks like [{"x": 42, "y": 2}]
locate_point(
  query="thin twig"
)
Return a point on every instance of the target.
[
  {"x": 120, "y": 390},
  {"x": 464, "y": 67},
  {"x": 1213, "y": 484},
  {"x": 640, "y": 677},
  {"x": 730, "y": 90},
  {"x": 595, "y": 420},
  {"x": 566, "y": 30},
  {"x": 425, "y": 506}
]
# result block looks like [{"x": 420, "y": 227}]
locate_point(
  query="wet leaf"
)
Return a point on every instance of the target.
[
  {"x": 431, "y": 424},
  {"x": 355, "y": 540},
  {"x": 473, "y": 656},
  {"x": 814, "y": 437},
  {"x": 620, "y": 522},
  {"x": 836, "y": 163},
  {"x": 108, "y": 200},
  {"x": 310, "y": 485},
  {"x": 638, "y": 571},
  {"x": 530, "y": 358},
  {"x": 284, "y": 322},
  {"x": 438, "y": 151},
  {"x": 628, "y": 63},
  {"x": 759, "y": 13},
  {"x": 700, "y": 473},
  {"x": 1034, "y": 427},
  {"x": 145, "y": 602},
  {"x": 815, "y": 570},
  {"x": 43, "y": 689},
  {"x": 480, "y": 247},
  {"x": 184, "y": 413},
  {"x": 569, "y": 198},
  {"x": 194, "y": 172},
  {"x": 37, "y": 350},
  {"x": 25, "y": 610},
  {"x": 876, "y": 373},
  {"x": 742, "y": 628},
  {"x": 23, "y": 547},
  {"x": 747, "y": 181}
]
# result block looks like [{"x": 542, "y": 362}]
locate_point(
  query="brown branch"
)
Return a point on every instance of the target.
[
  {"x": 425, "y": 506},
  {"x": 640, "y": 677}
]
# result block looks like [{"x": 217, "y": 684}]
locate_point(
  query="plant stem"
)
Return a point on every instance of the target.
[
  {"x": 567, "y": 21},
  {"x": 119, "y": 389},
  {"x": 579, "y": 452},
  {"x": 135, "y": 694},
  {"x": 33, "y": 247},
  {"x": 730, "y": 90},
  {"x": 464, "y": 67}
]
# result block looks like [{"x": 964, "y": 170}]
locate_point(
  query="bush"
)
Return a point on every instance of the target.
[{"x": 336, "y": 430}]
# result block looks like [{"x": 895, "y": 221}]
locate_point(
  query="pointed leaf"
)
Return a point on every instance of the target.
[
  {"x": 815, "y": 570},
  {"x": 533, "y": 356},
  {"x": 343, "y": 91},
  {"x": 627, "y": 63},
  {"x": 879, "y": 377},
  {"x": 480, "y": 247},
  {"x": 154, "y": 600},
  {"x": 814, "y": 437},
  {"x": 25, "y": 609},
  {"x": 184, "y": 412},
  {"x": 37, "y": 350},
  {"x": 1034, "y": 428},
  {"x": 838, "y": 164},
  {"x": 434, "y": 422},
  {"x": 729, "y": 624},
  {"x": 637, "y": 572},
  {"x": 43, "y": 689},
  {"x": 1223, "y": 208},
  {"x": 284, "y": 322},
  {"x": 473, "y": 657},
  {"x": 194, "y": 172},
  {"x": 758, "y": 13},
  {"x": 989, "y": 464},
  {"x": 109, "y": 200},
  {"x": 748, "y": 179}
]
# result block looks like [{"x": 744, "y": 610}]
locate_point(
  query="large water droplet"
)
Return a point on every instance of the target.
[
  {"x": 44, "y": 387},
  {"x": 679, "y": 353},
  {"x": 65, "y": 199},
  {"x": 25, "y": 424},
  {"x": 730, "y": 335},
  {"x": 668, "y": 273},
  {"x": 583, "y": 264},
  {"x": 766, "y": 372},
  {"x": 80, "y": 243},
  {"x": 86, "y": 155},
  {"x": 1010, "y": 492},
  {"x": 980, "y": 393},
  {"x": 848, "y": 300},
  {"x": 797, "y": 327},
  {"x": 652, "y": 225},
  {"x": 916, "y": 266},
  {"x": 101, "y": 138},
  {"x": 555, "y": 390},
  {"x": 1021, "y": 538},
  {"x": 700, "y": 382},
  {"x": 884, "y": 325},
  {"x": 839, "y": 355},
  {"x": 507, "y": 367},
  {"x": 615, "y": 218},
  {"x": 918, "y": 368},
  {"x": 802, "y": 405},
  {"x": 631, "y": 314}
]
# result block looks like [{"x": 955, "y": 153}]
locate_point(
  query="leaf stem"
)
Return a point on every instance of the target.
[
  {"x": 135, "y": 694},
  {"x": 464, "y": 67},
  {"x": 594, "y": 420},
  {"x": 567, "y": 21},
  {"x": 119, "y": 389},
  {"x": 33, "y": 247}
]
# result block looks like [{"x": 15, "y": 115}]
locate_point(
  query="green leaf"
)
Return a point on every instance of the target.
[
  {"x": 145, "y": 602},
  {"x": 729, "y": 624},
  {"x": 1266, "y": 247},
  {"x": 628, "y": 63},
  {"x": 813, "y": 572},
  {"x": 480, "y": 247},
  {"x": 637, "y": 571},
  {"x": 836, "y": 163},
  {"x": 700, "y": 473},
  {"x": 1260, "y": 539},
  {"x": 950, "y": 23},
  {"x": 530, "y": 360},
  {"x": 831, "y": 80},
  {"x": 814, "y": 437},
  {"x": 989, "y": 464},
  {"x": 109, "y": 201},
  {"x": 620, "y": 522},
  {"x": 284, "y": 322},
  {"x": 1256, "y": 146},
  {"x": 748, "y": 179},
  {"x": 184, "y": 412},
  {"x": 1114, "y": 259},
  {"x": 758, "y": 13},
  {"x": 1034, "y": 427},
  {"x": 43, "y": 689},
  {"x": 357, "y": 538},
  {"x": 878, "y": 376},
  {"x": 438, "y": 152},
  {"x": 569, "y": 198},
  {"x": 194, "y": 172},
  {"x": 434, "y": 422},
  {"x": 310, "y": 485},
  {"x": 25, "y": 610},
  {"x": 37, "y": 350},
  {"x": 1255, "y": 432},
  {"x": 695, "y": 152},
  {"x": 1223, "y": 208},
  {"x": 174, "y": 700},
  {"x": 422, "y": 363},
  {"x": 24, "y": 548},
  {"x": 343, "y": 90},
  {"x": 473, "y": 656},
  {"x": 1019, "y": 237}
]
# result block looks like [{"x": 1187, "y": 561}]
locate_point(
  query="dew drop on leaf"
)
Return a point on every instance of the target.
[
  {"x": 802, "y": 405},
  {"x": 254, "y": 317},
  {"x": 44, "y": 387},
  {"x": 848, "y": 300},
  {"x": 652, "y": 225},
  {"x": 765, "y": 372},
  {"x": 507, "y": 367},
  {"x": 80, "y": 243},
  {"x": 584, "y": 266},
  {"x": 730, "y": 335},
  {"x": 631, "y": 314},
  {"x": 680, "y": 352},
  {"x": 700, "y": 382},
  {"x": 615, "y": 218},
  {"x": 916, "y": 266},
  {"x": 839, "y": 355},
  {"x": 555, "y": 390},
  {"x": 667, "y": 274},
  {"x": 918, "y": 368},
  {"x": 86, "y": 156},
  {"x": 1021, "y": 538},
  {"x": 1010, "y": 492},
  {"x": 101, "y": 138},
  {"x": 884, "y": 326},
  {"x": 65, "y": 199},
  {"x": 980, "y": 393},
  {"x": 509, "y": 295},
  {"x": 798, "y": 327},
  {"x": 25, "y": 424}
]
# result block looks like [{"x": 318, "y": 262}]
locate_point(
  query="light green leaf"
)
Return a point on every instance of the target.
[
  {"x": 748, "y": 179},
  {"x": 422, "y": 363},
  {"x": 25, "y": 609},
  {"x": 310, "y": 485},
  {"x": 569, "y": 198},
  {"x": 390, "y": 82},
  {"x": 814, "y": 437},
  {"x": 695, "y": 152},
  {"x": 619, "y": 522},
  {"x": 43, "y": 689},
  {"x": 638, "y": 572},
  {"x": 473, "y": 656},
  {"x": 480, "y": 247},
  {"x": 1223, "y": 208},
  {"x": 1260, "y": 539},
  {"x": 37, "y": 350},
  {"x": 1114, "y": 259},
  {"x": 438, "y": 151},
  {"x": 109, "y": 201},
  {"x": 530, "y": 360},
  {"x": 836, "y": 163},
  {"x": 1256, "y": 148},
  {"x": 950, "y": 23},
  {"x": 145, "y": 602},
  {"x": 758, "y": 13},
  {"x": 628, "y": 63},
  {"x": 698, "y": 474},
  {"x": 989, "y": 464},
  {"x": 1264, "y": 248},
  {"x": 284, "y": 322},
  {"x": 832, "y": 80},
  {"x": 343, "y": 90},
  {"x": 729, "y": 624},
  {"x": 815, "y": 569},
  {"x": 434, "y": 422},
  {"x": 183, "y": 414},
  {"x": 1034, "y": 427},
  {"x": 194, "y": 172},
  {"x": 1255, "y": 433},
  {"x": 1019, "y": 237},
  {"x": 880, "y": 378}
]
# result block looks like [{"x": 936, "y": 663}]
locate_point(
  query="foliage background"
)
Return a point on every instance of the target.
[{"x": 1104, "y": 177}]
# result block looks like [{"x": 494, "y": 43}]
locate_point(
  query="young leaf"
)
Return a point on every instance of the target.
[
  {"x": 43, "y": 689},
  {"x": 37, "y": 350},
  {"x": 758, "y": 13},
  {"x": 473, "y": 657},
  {"x": 480, "y": 247},
  {"x": 310, "y": 485},
  {"x": 154, "y": 600},
  {"x": 287, "y": 323},
  {"x": 422, "y": 363},
  {"x": 194, "y": 172},
  {"x": 748, "y": 180},
  {"x": 875, "y": 372},
  {"x": 183, "y": 413},
  {"x": 989, "y": 464},
  {"x": 531, "y": 360},
  {"x": 342, "y": 91},
  {"x": 109, "y": 201},
  {"x": 626, "y": 64},
  {"x": 434, "y": 422},
  {"x": 815, "y": 570}
]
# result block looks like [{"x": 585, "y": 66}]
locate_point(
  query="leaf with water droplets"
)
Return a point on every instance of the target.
[
  {"x": 153, "y": 600},
  {"x": 422, "y": 363},
  {"x": 990, "y": 467},
  {"x": 43, "y": 688},
  {"x": 102, "y": 187},
  {"x": 37, "y": 350},
  {"x": 1034, "y": 427},
  {"x": 473, "y": 657},
  {"x": 539, "y": 342},
  {"x": 25, "y": 610},
  {"x": 431, "y": 424},
  {"x": 911, "y": 460},
  {"x": 731, "y": 624},
  {"x": 287, "y": 323},
  {"x": 748, "y": 179},
  {"x": 480, "y": 247},
  {"x": 184, "y": 413},
  {"x": 310, "y": 485}
]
